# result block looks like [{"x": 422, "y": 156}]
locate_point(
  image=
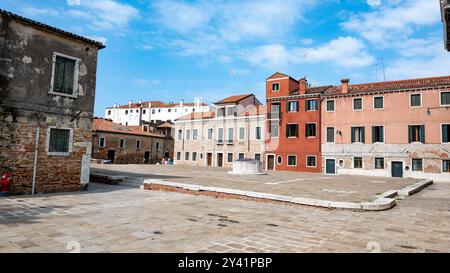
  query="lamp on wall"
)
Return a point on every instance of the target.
[{"x": 338, "y": 133}]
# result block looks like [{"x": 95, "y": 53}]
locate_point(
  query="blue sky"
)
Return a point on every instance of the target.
[{"x": 171, "y": 50}]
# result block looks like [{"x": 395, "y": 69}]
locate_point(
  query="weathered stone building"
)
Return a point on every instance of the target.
[
  {"x": 47, "y": 90},
  {"x": 235, "y": 130},
  {"x": 131, "y": 144}
]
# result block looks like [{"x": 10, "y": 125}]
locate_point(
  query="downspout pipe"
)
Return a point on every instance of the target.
[{"x": 36, "y": 151}]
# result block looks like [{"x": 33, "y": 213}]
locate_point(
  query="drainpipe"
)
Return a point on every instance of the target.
[{"x": 36, "y": 150}]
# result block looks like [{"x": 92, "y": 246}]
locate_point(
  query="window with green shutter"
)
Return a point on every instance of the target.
[
  {"x": 358, "y": 134},
  {"x": 445, "y": 98},
  {"x": 377, "y": 134},
  {"x": 292, "y": 130},
  {"x": 416, "y": 133},
  {"x": 330, "y": 134},
  {"x": 445, "y": 133},
  {"x": 64, "y": 75}
]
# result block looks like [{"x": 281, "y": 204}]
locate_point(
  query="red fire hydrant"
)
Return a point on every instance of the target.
[{"x": 5, "y": 184}]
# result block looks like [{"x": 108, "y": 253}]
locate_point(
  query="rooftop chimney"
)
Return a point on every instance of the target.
[
  {"x": 181, "y": 103},
  {"x": 344, "y": 86},
  {"x": 302, "y": 85},
  {"x": 130, "y": 103},
  {"x": 115, "y": 105}
]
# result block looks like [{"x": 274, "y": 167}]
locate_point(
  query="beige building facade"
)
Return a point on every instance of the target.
[{"x": 234, "y": 130}]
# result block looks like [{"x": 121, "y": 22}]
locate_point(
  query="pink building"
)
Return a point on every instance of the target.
[{"x": 397, "y": 128}]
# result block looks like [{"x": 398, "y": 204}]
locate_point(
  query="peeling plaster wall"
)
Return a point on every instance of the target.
[{"x": 26, "y": 54}]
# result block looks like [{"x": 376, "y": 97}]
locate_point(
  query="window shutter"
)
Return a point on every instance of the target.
[
  {"x": 422, "y": 133},
  {"x": 382, "y": 134},
  {"x": 287, "y": 106},
  {"x": 296, "y": 131},
  {"x": 306, "y": 105},
  {"x": 353, "y": 134},
  {"x": 363, "y": 135},
  {"x": 296, "y": 106},
  {"x": 409, "y": 133},
  {"x": 444, "y": 133}
]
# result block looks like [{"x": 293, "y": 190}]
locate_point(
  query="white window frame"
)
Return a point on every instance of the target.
[
  {"x": 194, "y": 136},
  {"x": 47, "y": 143},
  {"x": 241, "y": 154},
  {"x": 298, "y": 130},
  {"x": 440, "y": 98},
  {"x": 223, "y": 135},
  {"x": 315, "y": 130},
  {"x": 377, "y": 109},
  {"x": 418, "y": 142},
  {"x": 315, "y": 161},
  {"x": 296, "y": 162},
  {"x": 243, "y": 138},
  {"x": 210, "y": 137},
  {"x": 412, "y": 166},
  {"x": 186, "y": 134},
  {"x": 279, "y": 87},
  {"x": 232, "y": 157},
  {"x": 384, "y": 133},
  {"x": 104, "y": 142},
  {"x": 362, "y": 104},
  {"x": 76, "y": 75},
  {"x": 326, "y": 106},
  {"x": 276, "y": 160},
  {"x": 442, "y": 166},
  {"x": 326, "y": 134},
  {"x": 362, "y": 162},
  {"x": 298, "y": 106},
  {"x": 375, "y": 162},
  {"x": 420, "y": 95},
  {"x": 278, "y": 131},
  {"x": 260, "y": 132},
  {"x": 317, "y": 102},
  {"x": 442, "y": 135}
]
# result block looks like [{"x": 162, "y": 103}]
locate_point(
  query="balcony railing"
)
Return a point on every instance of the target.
[{"x": 274, "y": 116}]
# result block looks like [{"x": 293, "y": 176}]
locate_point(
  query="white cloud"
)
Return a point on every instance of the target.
[
  {"x": 103, "y": 14},
  {"x": 393, "y": 21},
  {"x": 374, "y": 3},
  {"x": 33, "y": 11},
  {"x": 343, "y": 51}
]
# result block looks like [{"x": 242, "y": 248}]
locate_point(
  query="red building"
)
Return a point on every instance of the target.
[{"x": 293, "y": 124}]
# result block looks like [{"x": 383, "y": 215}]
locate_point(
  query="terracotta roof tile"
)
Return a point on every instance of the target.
[
  {"x": 106, "y": 125},
  {"x": 198, "y": 115},
  {"x": 156, "y": 104},
  {"x": 234, "y": 99}
]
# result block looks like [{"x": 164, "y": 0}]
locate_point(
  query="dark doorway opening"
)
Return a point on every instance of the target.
[{"x": 112, "y": 155}]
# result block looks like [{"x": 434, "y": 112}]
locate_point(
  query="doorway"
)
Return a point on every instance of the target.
[
  {"x": 209, "y": 159},
  {"x": 270, "y": 162},
  {"x": 112, "y": 155},
  {"x": 146, "y": 157},
  {"x": 397, "y": 168},
  {"x": 219, "y": 159},
  {"x": 330, "y": 166}
]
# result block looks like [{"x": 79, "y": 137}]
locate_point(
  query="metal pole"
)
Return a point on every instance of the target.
[{"x": 36, "y": 150}]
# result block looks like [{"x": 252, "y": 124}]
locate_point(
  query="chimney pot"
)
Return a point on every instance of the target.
[
  {"x": 303, "y": 85},
  {"x": 344, "y": 86}
]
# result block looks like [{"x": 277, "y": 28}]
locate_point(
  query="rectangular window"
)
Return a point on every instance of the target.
[
  {"x": 220, "y": 135},
  {"x": 157, "y": 146},
  {"x": 230, "y": 158},
  {"x": 221, "y": 112},
  {"x": 358, "y": 134},
  {"x": 446, "y": 165},
  {"x": 131, "y": 111},
  {"x": 230, "y": 111},
  {"x": 109, "y": 112},
  {"x": 415, "y": 100},
  {"x": 153, "y": 111},
  {"x": 194, "y": 156},
  {"x": 330, "y": 105},
  {"x": 292, "y": 160},
  {"x": 445, "y": 133},
  {"x": 258, "y": 157},
  {"x": 311, "y": 161},
  {"x": 64, "y": 75},
  {"x": 126, "y": 112},
  {"x": 230, "y": 138},
  {"x": 195, "y": 134},
  {"x": 377, "y": 134},
  {"x": 292, "y": 106},
  {"x": 273, "y": 129},
  {"x": 378, "y": 102},
  {"x": 379, "y": 163},
  {"x": 330, "y": 134},
  {"x": 357, "y": 104},
  {"x": 122, "y": 143},
  {"x": 210, "y": 133},
  {"x": 180, "y": 134},
  {"x": 241, "y": 133},
  {"x": 59, "y": 140},
  {"x": 416, "y": 133},
  {"x": 275, "y": 87},
  {"x": 357, "y": 163},
  {"x": 310, "y": 130},
  {"x": 169, "y": 110},
  {"x": 241, "y": 156},
  {"x": 311, "y": 105},
  {"x": 258, "y": 133},
  {"x": 144, "y": 111},
  {"x": 186, "y": 156},
  {"x": 417, "y": 164},
  {"x": 445, "y": 98},
  {"x": 292, "y": 130},
  {"x": 138, "y": 144},
  {"x": 178, "y": 155},
  {"x": 101, "y": 142},
  {"x": 188, "y": 134}
]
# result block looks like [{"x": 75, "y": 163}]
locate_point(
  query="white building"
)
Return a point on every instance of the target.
[{"x": 151, "y": 111}]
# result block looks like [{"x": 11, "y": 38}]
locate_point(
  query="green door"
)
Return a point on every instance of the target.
[
  {"x": 397, "y": 168},
  {"x": 330, "y": 166}
]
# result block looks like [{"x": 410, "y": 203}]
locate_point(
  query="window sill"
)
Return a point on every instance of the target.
[
  {"x": 58, "y": 153},
  {"x": 63, "y": 94}
]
